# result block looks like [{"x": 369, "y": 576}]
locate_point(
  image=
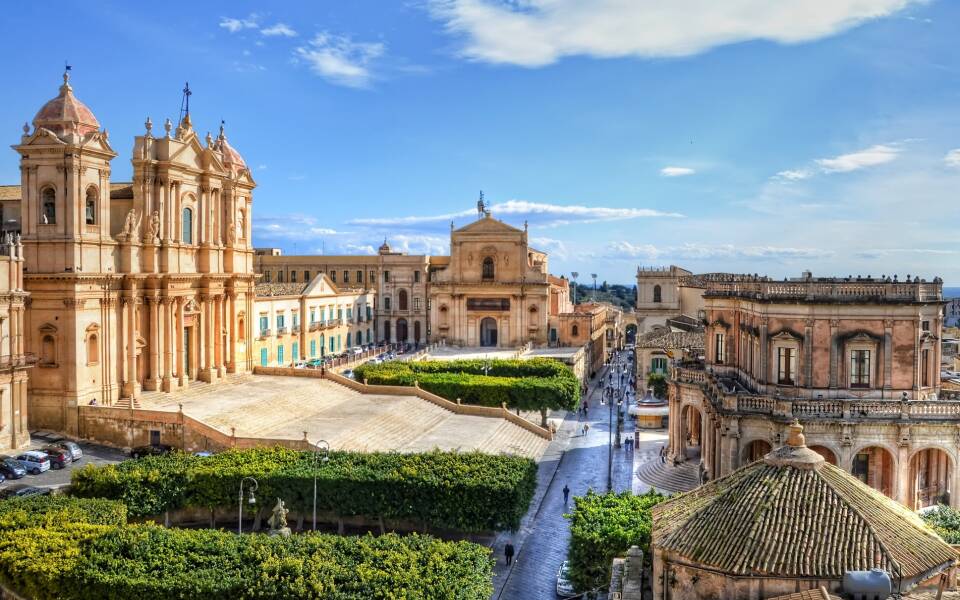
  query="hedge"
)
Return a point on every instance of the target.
[
  {"x": 109, "y": 562},
  {"x": 55, "y": 511},
  {"x": 945, "y": 521},
  {"x": 537, "y": 384},
  {"x": 461, "y": 491},
  {"x": 604, "y": 526}
]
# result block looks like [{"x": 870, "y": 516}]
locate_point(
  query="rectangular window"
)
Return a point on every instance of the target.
[
  {"x": 306, "y": 276},
  {"x": 346, "y": 276},
  {"x": 331, "y": 344},
  {"x": 339, "y": 313},
  {"x": 416, "y": 276},
  {"x": 386, "y": 276},
  {"x": 860, "y": 369},
  {"x": 279, "y": 276},
  {"x": 861, "y": 466},
  {"x": 416, "y": 303},
  {"x": 371, "y": 277},
  {"x": 659, "y": 366},
  {"x": 786, "y": 365},
  {"x": 280, "y": 321},
  {"x": 280, "y": 355},
  {"x": 359, "y": 276},
  {"x": 333, "y": 276},
  {"x": 293, "y": 276},
  {"x": 721, "y": 351},
  {"x": 296, "y": 319},
  {"x": 296, "y": 352},
  {"x": 386, "y": 303},
  {"x": 925, "y": 368},
  {"x": 263, "y": 357},
  {"x": 266, "y": 276},
  {"x": 369, "y": 314},
  {"x": 313, "y": 315},
  {"x": 349, "y": 313},
  {"x": 925, "y": 325},
  {"x": 313, "y": 348},
  {"x": 264, "y": 324}
]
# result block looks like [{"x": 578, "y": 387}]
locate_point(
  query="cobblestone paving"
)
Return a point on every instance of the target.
[{"x": 542, "y": 542}]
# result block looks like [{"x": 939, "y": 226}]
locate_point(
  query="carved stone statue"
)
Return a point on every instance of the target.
[
  {"x": 231, "y": 232},
  {"x": 278, "y": 520},
  {"x": 155, "y": 225},
  {"x": 130, "y": 223}
]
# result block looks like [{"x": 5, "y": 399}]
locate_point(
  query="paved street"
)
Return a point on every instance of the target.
[{"x": 544, "y": 537}]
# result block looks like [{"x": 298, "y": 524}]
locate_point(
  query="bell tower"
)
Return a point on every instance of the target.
[{"x": 65, "y": 183}]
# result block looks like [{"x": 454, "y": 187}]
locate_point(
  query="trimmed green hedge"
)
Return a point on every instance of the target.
[
  {"x": 537, "y": 384},
  {"x": 604, "y": 526},
  {"x": 462, "y": 491},
  {"x": 56, "y": 511},
  {"x": 80, "y": 561},
  {"x": 945, "y": 521}
]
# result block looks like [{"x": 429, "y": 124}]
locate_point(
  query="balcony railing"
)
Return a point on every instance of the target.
[
  {"x": 316, "y": 325},
  {"x": 264, "y": 333},
  {"x": 281, "y": 330},
  {"x": 18, "y": 360},
  {"x": 295, "y": 329},
  {"x": 837, "y": 291}
]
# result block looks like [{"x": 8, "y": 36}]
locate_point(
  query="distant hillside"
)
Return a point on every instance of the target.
[{"x": 619, "y": 295}]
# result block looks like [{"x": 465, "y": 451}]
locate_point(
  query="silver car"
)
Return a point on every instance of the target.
[
  {"x": 72, "y": 448},
  {"x": 34, "y": 462},
  {"x": 564, "y": 585}
]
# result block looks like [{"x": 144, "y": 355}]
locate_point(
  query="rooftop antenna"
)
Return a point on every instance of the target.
[{"x": 185, "y": 101}]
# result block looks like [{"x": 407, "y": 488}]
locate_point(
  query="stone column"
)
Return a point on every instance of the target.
[
  {"x": 179, "y": 341},
  {"x": 888, "y": 354},
  {"x": 903, "y": 484},
  {"x": 130, "y": 339},
  {"x": 153, "y": 382},
  {"x": 177, "y": 212},
  {"x": 206, "y": 340},
  {"x": 808, "y": 352},
  {"x": 231, "y": 316},
  {"x": 218, "y": 334}
]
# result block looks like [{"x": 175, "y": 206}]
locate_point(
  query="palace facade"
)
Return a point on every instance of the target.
[
  {"x": 14, "y": 360},
  {"x": 856, "y": 361},
  {"x": 133, "y": 286}
]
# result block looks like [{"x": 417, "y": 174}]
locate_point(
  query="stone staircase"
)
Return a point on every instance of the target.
[
  {"x": 125, "y": 403},
  {"x": 666, "y": 477}
]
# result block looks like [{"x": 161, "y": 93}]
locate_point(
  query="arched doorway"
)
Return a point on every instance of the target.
[
  {"x": 931, "y": 472},
  {"x": 416, "y": 332},
  {"x": 755, "y": 450},
  {"x": 691, "y": 428},
  {"x": 488, "y": 332},
  {"x": 386, "y": 331},
  {"x": 631, "y": 335},
  {"x": 826, "y": 453},
  {"x": 874, "y": 466},
  {"x": 401, "y": 330}
]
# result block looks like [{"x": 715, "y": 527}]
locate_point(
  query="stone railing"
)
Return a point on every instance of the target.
[
  {"x": 837, "y": 291},
  {"x": 315, "y": 325},
  {"x": 688, "y": 375},
  {"x": 330, "y": 323}
]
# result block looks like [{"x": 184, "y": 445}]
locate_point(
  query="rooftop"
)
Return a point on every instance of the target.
[
  {"x": 280, "y": 289},
  {"x": 793, "y": 515},
  {"x": 672, "y": 339},
  {"x": 808, "y": 288}
]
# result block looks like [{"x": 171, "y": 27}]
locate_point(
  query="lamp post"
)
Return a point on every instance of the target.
[
  {"x": 574, "y": 275},
  {"x": 251, "y": 499},
  {"x": 326, "y": 457},
  {"x": 594, "y": 275},
  {"x": 612, "y": 367}
]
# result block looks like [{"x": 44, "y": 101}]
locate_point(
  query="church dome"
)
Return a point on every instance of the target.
[
  {"x": 66, "y": 114},
  {"x": 384, "y": 247},
  {"x": 231, "y": 158}
]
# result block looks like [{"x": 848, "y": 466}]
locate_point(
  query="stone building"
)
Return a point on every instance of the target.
[
  {"x": 664, "y": 293},
  {"x": 14, "y": 361},
  {"x": 787, "y": 523},
  {"x": 134, "y": 286},
  {"x": 314, "y": 319},
  {"x": 855, "y": 360}
]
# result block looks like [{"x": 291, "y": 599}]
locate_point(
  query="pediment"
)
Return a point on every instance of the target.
[
  {"x": 48, "y": 328},
  {"x": 92, "y": 328},
  {"x": 41, "y": 136},
  {"x": 488, "y": 225},
  {"x": 786, "y": 336}
]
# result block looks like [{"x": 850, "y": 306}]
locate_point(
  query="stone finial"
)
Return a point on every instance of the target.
[
  {"x": 148, "y": 125},
  {"x": 795, "y": 438},
  {"x": 209, "y": 140},
  {"x": 223, "y": 134},
  {"x": 167, "y": 126},
  {"x": 26, "y": 128}
]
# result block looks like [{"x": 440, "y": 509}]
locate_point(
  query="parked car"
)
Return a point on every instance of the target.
[
  {"x": 300, "y": 364},
  {"x": 33, "y": 461},
  {"x": 564, "y": 585},
  {"x": 348, "y": 373},
  {"x": 203, "y": 453},
  {"x": 59, "y": 457},
  {"x": 11, "y": 469},
  {"x": 73, "y": 448},
  {"x": 314, "y": 363},
  {"x": 150, "y": 450},
  {"x": 23, "y": 491}
]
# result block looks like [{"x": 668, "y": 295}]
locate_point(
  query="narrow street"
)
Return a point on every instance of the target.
[{"x": 543, "y": 541}]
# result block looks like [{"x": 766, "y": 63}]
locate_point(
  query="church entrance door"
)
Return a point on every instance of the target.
[
  {"x": 488, "y": 332},
  {"x": 402, "y": 330}
]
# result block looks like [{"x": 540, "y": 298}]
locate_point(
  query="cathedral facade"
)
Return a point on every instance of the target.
[{"x": 133, "y": 286}]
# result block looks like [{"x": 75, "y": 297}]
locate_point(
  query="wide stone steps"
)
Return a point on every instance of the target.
[
  {"x": 666, "y": 477},
  {"x": 125, "y": 403}
]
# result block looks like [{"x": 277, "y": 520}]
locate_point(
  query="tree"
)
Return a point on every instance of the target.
[{"x": 658, "y": 383}]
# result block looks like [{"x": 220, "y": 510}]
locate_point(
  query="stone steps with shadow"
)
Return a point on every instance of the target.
[{"x": 667, "y": 477}]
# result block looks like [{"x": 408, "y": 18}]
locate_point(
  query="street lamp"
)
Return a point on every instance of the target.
[
  {"x": 574, "y": 275},
  {"x": 486, "y": 365},
  {"x": 251, "y": 499},
  {"x": 326, "y": 457},
  {"x": 594, "y": 275}
]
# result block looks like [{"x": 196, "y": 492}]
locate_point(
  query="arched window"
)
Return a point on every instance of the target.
[
  {"x": 90, "y": 208},
  {"x": 241, "y": 329},
  {"x": 48, "y": 206},
  {"x": 48, "y": 351},
  {"x": 93, "y": 349},
  {"x": 488, "y": 267},
  {"x": 656, "y": 294},
  {"x": 575, "y": 331},
  {"x": 402, "y": 299},
  {"x": 187, "y": 226}
]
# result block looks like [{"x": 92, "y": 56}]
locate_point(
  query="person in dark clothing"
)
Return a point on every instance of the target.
[
  {"x": 566, "y": 493},
  {"x": 508, "y": 552},
  {"x": 663, "y": 454}
]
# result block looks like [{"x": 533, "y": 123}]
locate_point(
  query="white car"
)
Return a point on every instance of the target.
[
  {"x": 564, "y": 585},
  {"x": 34, "y": 462}
]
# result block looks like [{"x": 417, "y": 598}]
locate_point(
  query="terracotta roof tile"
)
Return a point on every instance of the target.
[
  {"x": 280, "y": 289},
  {"x": 817, "y": 594},
  {"x": 672, "y": 339}
]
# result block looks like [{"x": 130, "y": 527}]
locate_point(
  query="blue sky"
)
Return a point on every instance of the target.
[{"x": 742, "y": 135}]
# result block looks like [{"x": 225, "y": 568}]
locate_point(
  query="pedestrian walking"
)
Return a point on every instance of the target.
[
  {"x": 508, "y": 551},
  {"x": 663, "y": 455},
  {"x": 566, "y": 494},
  {"x": 586, "y": 428}
]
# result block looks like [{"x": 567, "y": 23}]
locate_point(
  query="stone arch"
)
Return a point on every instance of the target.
[
  {"x": 876, "y": 465},
  {"x": 92, "y": 344},
  {"x": 90, "y": 205},
  {"x": 930, "y": 477},
  {"x": 692, "y": 430},
  {"x": 488, "y": 331},
  {"x": 829, "y": 454},
  {"x": 755, "y": 450},
  {"x": 489, "y": 269},
  {"x": 657, "y": 294},
  {"x": 48, "y": 204}
]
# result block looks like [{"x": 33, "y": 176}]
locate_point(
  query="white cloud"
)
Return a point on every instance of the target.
[
  {"x": 555, "y": 248},
  {"x": 869, "y": 157},
  {"x": 886, "y": 252},
  {"x": 280, "y": 29},
  {"x": 534, "y": 33},
  {"x": 952, "y": 158},
  {"x": 626, "y": 250},
  {"x": 676, "y": 171},
  {"x": 234, "y": 25},
  {"x": 261, "y": 167},
  {"x": 339, "y": 59},
  {"x": 793, "y": 175},
  {"x": 293, "y": 227},
  {"x": 537, "y": 213}
]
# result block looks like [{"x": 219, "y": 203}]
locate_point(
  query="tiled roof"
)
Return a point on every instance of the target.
[
  {"x": 672, "y": 339},
  {"x": 817, "y": 594},
  {"x": 770, "y": 518},
  {"x": 280, "y": 289},
  {"x": 118, "y": 191}
]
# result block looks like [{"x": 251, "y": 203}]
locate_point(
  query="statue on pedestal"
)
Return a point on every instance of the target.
[{"x": 278, "y": 520}]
